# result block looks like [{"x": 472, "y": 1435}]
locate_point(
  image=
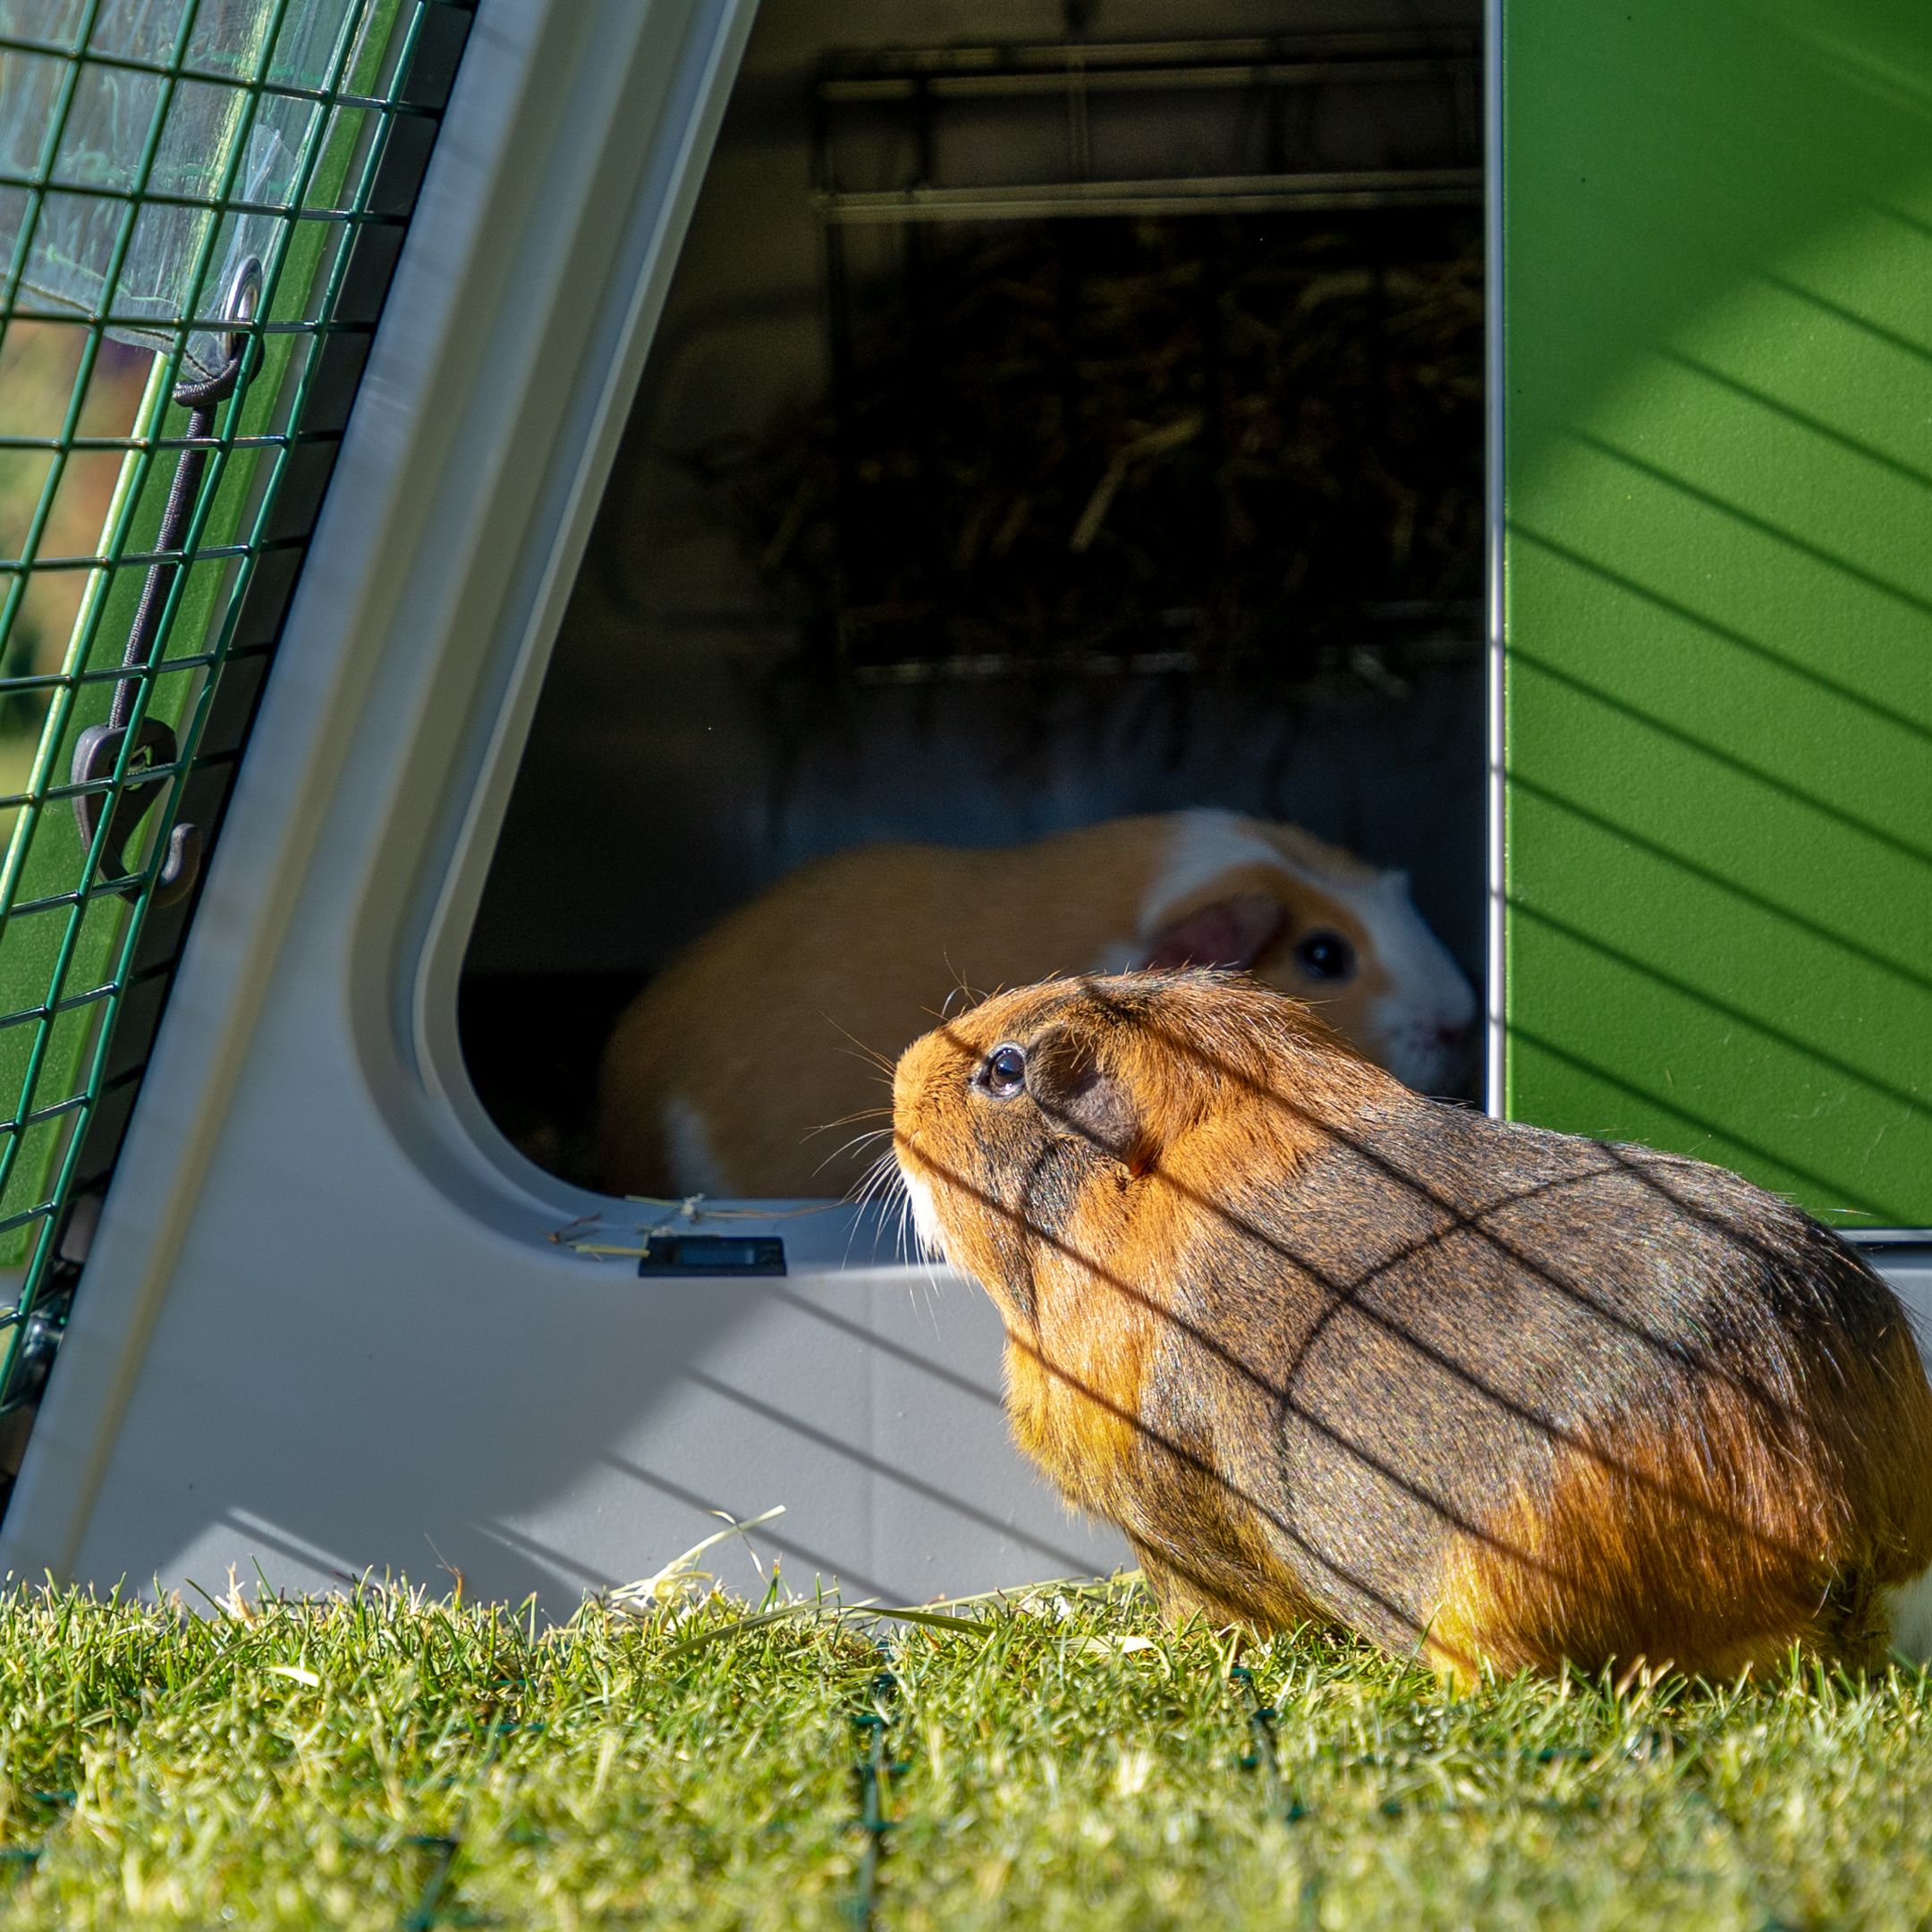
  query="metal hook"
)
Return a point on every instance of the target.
[
  {"x": 95, "y": 756},
  {"x": 244, "y": 299},
  {"x": 97, "y": 750}
]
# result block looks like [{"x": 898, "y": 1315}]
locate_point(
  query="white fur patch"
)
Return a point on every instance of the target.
[
  {"x": 925, "y": 1217},
  {"x": 1421, "y": 1022},
  {"x": 694, "y": 1168},
  {"x": 1910, "y": 1604},
  {"x": 1206, "y": 845}
]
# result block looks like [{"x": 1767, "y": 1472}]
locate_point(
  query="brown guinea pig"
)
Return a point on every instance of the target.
[
  {"x": 774, "y": 1024},
  {"x": 1324, "y": 1349}
]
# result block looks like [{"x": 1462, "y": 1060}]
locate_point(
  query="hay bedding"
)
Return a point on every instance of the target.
[{"x": 1243, "y": 439}]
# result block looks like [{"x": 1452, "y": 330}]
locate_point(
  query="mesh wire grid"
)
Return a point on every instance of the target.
[{"x": 188, "y": 184}]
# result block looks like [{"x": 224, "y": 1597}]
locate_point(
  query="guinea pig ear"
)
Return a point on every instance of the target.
[
  {"x": 1231, "y": 932},
  {"x": 1074, "y": 1090}
]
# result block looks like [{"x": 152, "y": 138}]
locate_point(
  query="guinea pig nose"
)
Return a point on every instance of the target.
[
  {"x": 1004, "y": 1072},
  {"x": 1325, "y": 956}
]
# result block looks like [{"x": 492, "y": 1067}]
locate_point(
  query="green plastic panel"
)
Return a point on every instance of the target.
[{"x": 1717, "y": 273}]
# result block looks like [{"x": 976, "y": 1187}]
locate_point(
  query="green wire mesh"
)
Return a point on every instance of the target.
[{"x": 147, "y": 146}]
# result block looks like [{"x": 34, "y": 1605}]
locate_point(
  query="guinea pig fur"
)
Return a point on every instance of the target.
[
  {"x": 773, "y": 1025},
  {"x": 1324, "y": 1349}
]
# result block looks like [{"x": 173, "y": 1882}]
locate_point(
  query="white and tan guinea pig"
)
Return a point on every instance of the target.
[{"x": 726, "y": 1074}]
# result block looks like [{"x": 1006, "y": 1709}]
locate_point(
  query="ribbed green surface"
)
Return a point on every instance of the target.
[{"x": 1717, "y": 317}]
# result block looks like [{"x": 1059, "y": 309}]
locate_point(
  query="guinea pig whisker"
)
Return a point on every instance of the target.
[
  {"x": 857, "y": 1141},
  {"x": 884, "y": 1181},
  {"x": 959, "y": 986},
  {"x": 869, "y": 1183},
  {"x": 881, "y": 1172},
  {"x": 971, "y": 996},
  {"x": 874, "y": 1187},
  {"x": 845, "y": 1120},
  {"x": 850, "y": 1146},
  {"x": 859, "y": 1048},
  {"x": 865, "y": 1183},
  {"x": 860, "y": 1202}
]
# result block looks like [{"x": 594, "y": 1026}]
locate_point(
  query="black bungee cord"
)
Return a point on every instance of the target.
[{"x": 99, "y": 748}]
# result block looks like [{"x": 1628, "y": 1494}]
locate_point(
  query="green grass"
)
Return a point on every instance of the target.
[{"x": 1067, "y": 1764}]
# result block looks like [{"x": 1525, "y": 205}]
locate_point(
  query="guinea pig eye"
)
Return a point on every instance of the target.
[
  {"x": 1004, "y": 1073},
  {"x": 1326, "y": 955}
]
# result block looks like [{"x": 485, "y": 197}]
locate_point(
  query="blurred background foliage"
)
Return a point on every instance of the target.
[{"x": 39, "y": 363}]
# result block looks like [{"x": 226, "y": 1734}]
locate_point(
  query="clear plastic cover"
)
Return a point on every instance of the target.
[{"x": 174, "y": 122}]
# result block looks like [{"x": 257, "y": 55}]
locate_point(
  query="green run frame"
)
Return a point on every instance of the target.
[{"x": 145, "y": 151}]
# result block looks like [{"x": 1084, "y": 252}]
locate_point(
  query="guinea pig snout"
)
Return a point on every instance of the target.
[
  {"x": 1430, "y": 1055},
  {"x": 924, "y": 1084}
]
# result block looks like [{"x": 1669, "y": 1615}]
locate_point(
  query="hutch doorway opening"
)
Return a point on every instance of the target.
[{"x": 1073, "y": 434}]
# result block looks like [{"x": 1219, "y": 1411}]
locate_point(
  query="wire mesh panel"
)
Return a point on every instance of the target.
[
  {"x": 1159, "y": 357},
  {"x": 201, "y": 205}
]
